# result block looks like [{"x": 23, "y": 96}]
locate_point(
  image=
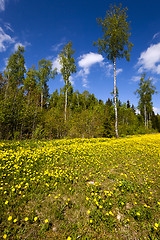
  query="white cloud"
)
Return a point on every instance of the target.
[
  {"x": 5, "y": 40},
  {"x": 57, "y": 46},
  {"x": 136, "y": 78},
  {"x": 156, "y": 110},
  {"x": 109, "y": 69},
  {"x": 83, "y": 73},
  {"x": 156, "y": 35},
  {"x": 8, "y": 27},
  {"x": 56, "y": 64},
  {"x": 119, "y": 70},
  {"x": 150, "y": 59},
  {"x": 25, "y": 44},
  {"x": 86, "y": 61},
  {"x": 71, "y": 80},
  {"x": 2, "y": 5}
]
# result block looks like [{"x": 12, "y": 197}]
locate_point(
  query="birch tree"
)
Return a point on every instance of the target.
[
  {"x": 44, "y": 74},
  {"x": 68, "y": 67},
  {"x": 114, "y": 43},
  {"x": 145, "y": 92}
]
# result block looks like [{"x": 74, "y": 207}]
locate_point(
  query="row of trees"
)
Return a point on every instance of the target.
[{"x": 27, "y": 109}]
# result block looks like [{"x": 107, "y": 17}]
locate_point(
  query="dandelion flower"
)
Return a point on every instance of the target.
[
  {"x": 6, "y": 202},
  {"x": 15, "y": 220},
  {"x": 88, "y": 212},
  {"x": 35, "y": 219},
  {"x": 5, "y": 236},
  {"x": 26, "y": 219},
  {"x": 69, "y": 238},
  {"x": 46, "y": 220},
  {"x": 9, "y": 218},
  {"x": 156, "y": 225}
]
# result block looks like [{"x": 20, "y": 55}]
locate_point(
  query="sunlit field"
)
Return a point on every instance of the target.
[{"x": 81, "y": 189}]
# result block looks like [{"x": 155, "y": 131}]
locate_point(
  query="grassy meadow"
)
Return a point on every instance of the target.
[{"x": 81, "y": 189}]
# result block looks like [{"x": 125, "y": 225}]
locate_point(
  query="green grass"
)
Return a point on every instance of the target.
[{"x": 81, "y": 189}]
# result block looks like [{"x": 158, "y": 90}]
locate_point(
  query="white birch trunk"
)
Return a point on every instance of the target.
[
  {"x": 145, "y": 115},
  {"x": 115, "y": 100},
  {"x": 41, "y": 99},
  {"x": 65, "y": 106}
]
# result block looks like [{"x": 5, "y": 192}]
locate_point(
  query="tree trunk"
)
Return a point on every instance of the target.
[
  {"x": 145, "y": 115},
  {"x": 65, "y": 106},
  {"x": 115, "y": 100},
  {"x": 41, "y": 99}
]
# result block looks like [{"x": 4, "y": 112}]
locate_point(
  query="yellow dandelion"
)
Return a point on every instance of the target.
[
  {"x": 69, "y": 238},
  {"x": 9, "y": 218},
  {"x": 156, "y": 225},
  {"x": 110, "y": 212},
  {"x": 46, "y": 220},
  {"x": 6, "y": 202},
  {"x": 26, "y": 219},
  {"x": 4, "y": 236},
  {"x": 88, "y": 212},
  {"x": 15, "y": 220},
  {"x": 35, "y": 219}
]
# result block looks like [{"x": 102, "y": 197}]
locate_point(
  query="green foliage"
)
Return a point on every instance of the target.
[
  {"x": 67, "y": 62},
  {"x": 28, "y": 111},
  {"x": 145, "y": 92},
  {"x": 115, "y": 41}
]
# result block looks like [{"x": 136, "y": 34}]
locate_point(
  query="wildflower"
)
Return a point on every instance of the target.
[
  {"x": 26, "y": 219},
  {"x": 91, "y": 221},
  {"x": 138, "y": 214},
  {"x": 6, "y": 202},
  {"x": 156, "y": 225},
  {"x": 15, "y": 220},
  {"x": 88, "y": 212},
  {"x": 46, "y": 220},
  {"x": 5, "y": 236},
  {"x": 9, "y": 218},
  {"x": 69, "y": 238},
  {"x": 35, "y": 218},
  {"x": 110, "y": 212}
]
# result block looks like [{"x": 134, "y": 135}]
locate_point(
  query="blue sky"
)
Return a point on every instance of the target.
[{"x": 44, "y": 27}]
